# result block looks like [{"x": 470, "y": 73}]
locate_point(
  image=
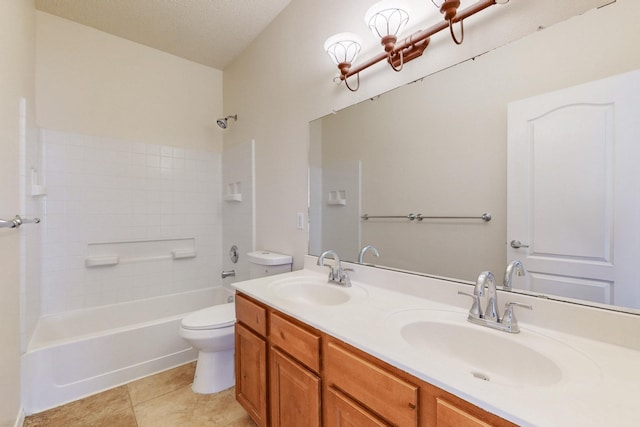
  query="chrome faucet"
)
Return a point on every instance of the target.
[
  {"x": 486, "y": 278},
  {"x": 336, "y": 273},
  {"x": 491, "y": 317},
  {"x": 514, "y": 265},
  {"x": 364, "y": 250}
]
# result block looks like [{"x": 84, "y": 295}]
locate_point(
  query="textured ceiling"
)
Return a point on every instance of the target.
[{"x": 210, "y": 32}]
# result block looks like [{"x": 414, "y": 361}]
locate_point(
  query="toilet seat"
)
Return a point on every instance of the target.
[{"x": 216, "y": 317}]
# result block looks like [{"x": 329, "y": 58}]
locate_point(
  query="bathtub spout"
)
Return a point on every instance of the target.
[{"x": 228, "y": 273}]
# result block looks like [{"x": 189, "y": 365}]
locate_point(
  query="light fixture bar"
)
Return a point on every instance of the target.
[{"x": 415, "y": 39}]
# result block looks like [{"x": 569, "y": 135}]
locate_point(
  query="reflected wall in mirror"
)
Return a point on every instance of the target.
[{"x": 438, "y": 147}]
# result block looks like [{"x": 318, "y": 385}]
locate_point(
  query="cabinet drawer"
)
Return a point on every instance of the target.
[
  {"x": 251, "y": 314},
  {"x": 300, "y": 343},
  {"x": 392, "y": 398},
  {"x": 449, "y": 415}
]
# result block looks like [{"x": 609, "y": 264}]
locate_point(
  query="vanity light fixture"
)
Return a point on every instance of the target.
[
  {"x": 449, "y": 8},
  {"x": 343, "y": 48},
  {"x": 386, "y": 19}
]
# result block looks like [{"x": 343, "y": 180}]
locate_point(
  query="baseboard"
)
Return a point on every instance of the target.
[{"x": 19, "y": 419}]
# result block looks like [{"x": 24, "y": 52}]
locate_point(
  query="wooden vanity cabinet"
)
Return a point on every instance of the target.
[
  {"x": 251, "y": 358},
  {"x": 280, "y": 355},
  {"x": 314, "y": 380}
]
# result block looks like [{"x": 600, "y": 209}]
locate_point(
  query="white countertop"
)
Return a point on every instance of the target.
[{"x": 604, "y": 384}]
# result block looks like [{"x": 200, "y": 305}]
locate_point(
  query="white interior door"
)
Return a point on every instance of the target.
[{"x": 573, "y": 190}]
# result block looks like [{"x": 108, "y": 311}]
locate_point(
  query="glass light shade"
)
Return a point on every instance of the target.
[
  {"x": 387, "y": 18},
  {"x": 343, "y": 47}
]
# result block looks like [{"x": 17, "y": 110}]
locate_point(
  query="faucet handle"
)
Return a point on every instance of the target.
[
  {"x": 332, "y": 272},
  {"x": 509, "y": 319},
  {"x": 345, "y": 280},
  {"x": 475, "y": 310}
]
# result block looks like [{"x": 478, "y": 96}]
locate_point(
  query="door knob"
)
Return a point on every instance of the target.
[{"x": 516, "y": 244}]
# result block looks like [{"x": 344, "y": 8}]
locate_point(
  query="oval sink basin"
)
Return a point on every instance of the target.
[
  {"x": 524, "y": 359},
  {"x": 316, "y": 291}
]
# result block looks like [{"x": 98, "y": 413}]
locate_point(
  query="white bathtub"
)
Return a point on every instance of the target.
[{"x": 83, "y": 352}]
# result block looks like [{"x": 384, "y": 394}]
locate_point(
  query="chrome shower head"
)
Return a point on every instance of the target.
[{"x": 223, "y": 122}]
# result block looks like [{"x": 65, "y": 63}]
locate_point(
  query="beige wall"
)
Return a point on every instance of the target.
[
  {"x": 94, "y": 83},
  {"x": 17, "y": 21},
  {"x": 284, "y": 80}
]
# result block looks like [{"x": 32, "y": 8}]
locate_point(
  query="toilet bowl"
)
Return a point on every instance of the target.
[{"x": 210, "y": 331}]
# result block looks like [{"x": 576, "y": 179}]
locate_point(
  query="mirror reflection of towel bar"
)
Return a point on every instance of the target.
[{"x": 486, "y": 217}]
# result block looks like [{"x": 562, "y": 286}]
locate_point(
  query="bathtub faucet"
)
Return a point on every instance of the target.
[{"x": 228, "y": 273}]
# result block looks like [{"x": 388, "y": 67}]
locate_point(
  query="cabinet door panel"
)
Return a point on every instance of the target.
[
  {"x": 295, "y": 393},
  {"x": 340, "y": 411},
  {"x": 251, "y": 374}
]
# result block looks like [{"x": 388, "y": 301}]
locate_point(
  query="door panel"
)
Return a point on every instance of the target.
[
  {"x": 591, "y": 290},
  {"x": 571, "y": 145}
]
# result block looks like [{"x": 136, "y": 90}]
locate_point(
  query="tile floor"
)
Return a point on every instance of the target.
[{"x": 161, "y": 400}]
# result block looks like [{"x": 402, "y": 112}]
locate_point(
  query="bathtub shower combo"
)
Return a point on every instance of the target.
[
  {"x": 117, "y": 268},
  {"x": 82, "y": 352}
]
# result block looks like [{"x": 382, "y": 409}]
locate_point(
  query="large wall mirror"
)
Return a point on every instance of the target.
[{"x": 438, "y": 147}]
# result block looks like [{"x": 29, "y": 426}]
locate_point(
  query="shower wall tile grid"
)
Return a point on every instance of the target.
[{"x": 102, "y": 190}]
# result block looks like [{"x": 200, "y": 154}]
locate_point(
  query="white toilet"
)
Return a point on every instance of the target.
[{"x": 210, "y": 331}]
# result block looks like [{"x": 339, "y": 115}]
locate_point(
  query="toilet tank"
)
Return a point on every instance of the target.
[{"x": 265, "y": 263}]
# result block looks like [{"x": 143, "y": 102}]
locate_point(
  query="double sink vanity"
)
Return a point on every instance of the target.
[{"x": 397, "y": 349}]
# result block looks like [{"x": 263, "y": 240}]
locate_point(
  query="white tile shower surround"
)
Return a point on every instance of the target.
[{"x": 102, "y": 190}]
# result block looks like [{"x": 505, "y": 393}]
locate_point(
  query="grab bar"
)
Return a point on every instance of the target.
[
  {"x": 17, "y": 222},
  {"x": 486, "y": 217}
]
